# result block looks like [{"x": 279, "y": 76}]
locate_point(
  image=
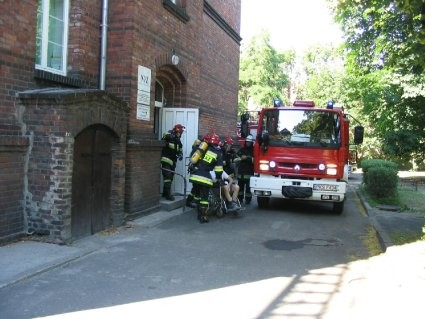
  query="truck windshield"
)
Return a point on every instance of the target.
[{"x": 300, "y": 128}]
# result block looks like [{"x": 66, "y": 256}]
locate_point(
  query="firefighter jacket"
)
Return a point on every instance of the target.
[
  {"x": 172, "y": 149},
  {"x": 245, "y": 166},
  {"x": 211, "y": 161}
]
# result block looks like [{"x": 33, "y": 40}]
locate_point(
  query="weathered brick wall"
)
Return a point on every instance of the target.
[
  {"x": 145, "y": 33},
  {"x": 230, "y": 11},
  {"x": 84, "y": 41},
  {"x": 12, "y": 159},
  {"x": 53, "y": 119},
  {"x": 220, "y": 73},
  {"x": 17, "y": 43},
  {"x": 140, "y": 32},
  {"x": 143, "y": 180}
]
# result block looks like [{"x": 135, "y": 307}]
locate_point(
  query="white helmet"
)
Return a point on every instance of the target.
[{"x": 249, "y": 138}]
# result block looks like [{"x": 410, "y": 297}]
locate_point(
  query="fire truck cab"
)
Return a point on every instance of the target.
[{"x": 302, "y": 152}]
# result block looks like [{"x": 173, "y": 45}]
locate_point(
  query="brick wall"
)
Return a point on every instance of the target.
[
  {"x": 142, "y": 181},
  {"x": 220, "y": 71},
  {"x": 84, "y": 41},
  {"x": 53, "y": 119},
  {"x": 33, "y": 136},
  {"x": 12, "y": 159}
]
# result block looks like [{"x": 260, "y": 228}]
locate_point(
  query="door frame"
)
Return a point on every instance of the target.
[{"x": 188, "y": 117}]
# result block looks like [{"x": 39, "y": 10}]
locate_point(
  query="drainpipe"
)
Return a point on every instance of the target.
[{"x": 104, "y": 42}]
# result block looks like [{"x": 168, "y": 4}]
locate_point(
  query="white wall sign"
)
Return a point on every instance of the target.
[{"x": 143, "y": 93}]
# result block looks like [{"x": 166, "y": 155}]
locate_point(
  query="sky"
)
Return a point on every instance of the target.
[{"x": 296, "y": 24}]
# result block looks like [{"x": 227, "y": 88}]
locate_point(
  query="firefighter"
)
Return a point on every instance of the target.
[
  {"x": 201, "y": 174},
  {"x": 245, "y": 162},
  {"x": 172, "y": 150},
  {"x": 192, "y": 199},
  {"x": 229, "y": 156}
]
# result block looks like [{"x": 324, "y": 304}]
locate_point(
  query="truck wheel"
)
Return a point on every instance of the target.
[
  {"x": 263, "y": 202},
  {"x": 338, "y": 207}
]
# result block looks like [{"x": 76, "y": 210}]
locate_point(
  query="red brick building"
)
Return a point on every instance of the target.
[{"x": 86, "y": 90}]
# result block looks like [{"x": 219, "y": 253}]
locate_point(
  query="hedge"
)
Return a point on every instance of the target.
[{"x": 380, "y": 177}]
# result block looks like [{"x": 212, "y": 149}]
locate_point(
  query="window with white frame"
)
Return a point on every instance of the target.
[{"x": 52, "y": 35}]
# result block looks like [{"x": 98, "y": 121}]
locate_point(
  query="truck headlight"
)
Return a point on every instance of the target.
[
  {"x": 267, "y": 165},
  {"x": 331, "y": 169},
  {"x": 264, "y": 165}
]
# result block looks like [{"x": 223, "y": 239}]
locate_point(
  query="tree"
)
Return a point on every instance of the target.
[
  {"x": 385, "y": 54},
  {"x": 323, "y": 68},
  {"x": 384, "y": 33},
  {"x": 263, "y": 72}
]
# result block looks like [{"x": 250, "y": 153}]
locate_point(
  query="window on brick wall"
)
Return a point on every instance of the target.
[
  {"x": 180, "y": 3},
  {"x": 177, "y": 7},
  {"x": 52, "y": 36},
  {"x": 159, "y": 103}
]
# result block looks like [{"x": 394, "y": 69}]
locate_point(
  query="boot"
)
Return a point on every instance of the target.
[
  {"x": 203, "y": 214},
  {"x": 167, "y": 192},
  {"x": 189, "y": 200}
]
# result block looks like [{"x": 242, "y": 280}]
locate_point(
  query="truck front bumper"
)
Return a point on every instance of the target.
[{"x": 317, "y": 190}]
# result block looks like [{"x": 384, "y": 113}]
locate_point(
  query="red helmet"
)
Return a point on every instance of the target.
[
  {"x": 214, "y": 139},
  {"x": 206, "y": 138},
  {"x": 228, "y": 141},
  {"x": 178, "y": 128}
]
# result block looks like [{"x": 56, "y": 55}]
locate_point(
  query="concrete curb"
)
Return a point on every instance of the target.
[{"x": 383, "y": 236}]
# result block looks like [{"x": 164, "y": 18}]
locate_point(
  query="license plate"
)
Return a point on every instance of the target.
[{"x": 325, "y": 187}]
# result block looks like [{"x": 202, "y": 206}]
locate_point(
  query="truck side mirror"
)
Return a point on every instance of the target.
[
  {"x": 358, "y": 134},
  {"x": 264, "y": 139},
  {"x": 244, "y": 125}
]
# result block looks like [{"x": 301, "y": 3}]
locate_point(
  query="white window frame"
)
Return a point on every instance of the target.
[
  {"x": 45, "y": 38},
  {"x": 159, "y": 103}
]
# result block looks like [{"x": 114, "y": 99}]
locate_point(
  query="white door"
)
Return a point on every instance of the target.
[{"x": 188, "y": 118}]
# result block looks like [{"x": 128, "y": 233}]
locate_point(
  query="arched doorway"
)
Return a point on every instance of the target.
[{"x": 91, "y": 181}]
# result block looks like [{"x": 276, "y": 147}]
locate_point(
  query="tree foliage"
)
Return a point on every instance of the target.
[
  {"x": 385, "y": 63},
  {"x": 384, "y": 33},
  {"x": 323, "y": 69},
  {"x": 263, "y": 72}
]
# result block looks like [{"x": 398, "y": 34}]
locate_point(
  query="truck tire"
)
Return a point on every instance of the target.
[
  {"x": 263, "y": 202},
  {"x": 338, "y": 207}
]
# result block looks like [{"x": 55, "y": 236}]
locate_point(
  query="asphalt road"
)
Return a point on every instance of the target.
[{"x": 285, "y": 261}]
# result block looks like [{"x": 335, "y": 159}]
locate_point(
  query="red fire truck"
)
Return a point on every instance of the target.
[{"x": 302, "y": 152}]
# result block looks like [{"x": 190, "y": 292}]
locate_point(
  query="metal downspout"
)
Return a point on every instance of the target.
[{"x": 104, "y": 43}]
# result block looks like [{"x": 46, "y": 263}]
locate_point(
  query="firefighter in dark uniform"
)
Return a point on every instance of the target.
[
  {"x": 229, "y": 156},
  {"x": 172, "y": 150},
  {"x": 201, "y": 174},
  {"x": 245, "y": 162},
  {"x": 193, "y": 198}
]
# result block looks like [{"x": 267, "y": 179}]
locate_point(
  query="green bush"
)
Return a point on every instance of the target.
[
  {"x": 367, "y": 164},
  {"x": 381, "y": 181}
]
